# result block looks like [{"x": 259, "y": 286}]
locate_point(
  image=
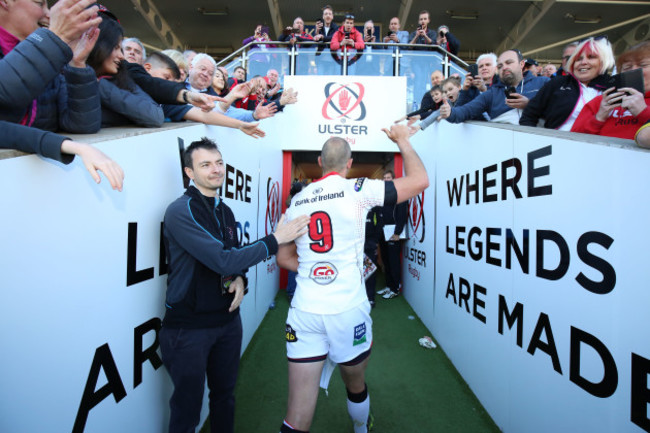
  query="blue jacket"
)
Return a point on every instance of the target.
[
  {"x": 493, "y": 100},
  {"x": 201, "y": 244},
  {"x": 33, "y": 140},
  {"x": 126, "y": 107},
  {"x": 32, "y": 71}
]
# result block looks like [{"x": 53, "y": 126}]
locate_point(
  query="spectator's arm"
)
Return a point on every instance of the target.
[
  {"x": 433, "y": 117},
  {"x": 30, "y": 67},
  {"x": 471, "y": 110},
  {"x": 137, "y": 106},
  {"x": 358, "y": 41},
  {"x": 336, "y": 41},
  {"x": 586, "y": 121},
  {"x": 162, "y": 91},
  {"x": 79, "y": 105},
  {"x": 33, "y": 140},
  {"x": 454, "y": 43},
  {"x": 536, "y": 107},
  {"x": 218, "y": 119}
]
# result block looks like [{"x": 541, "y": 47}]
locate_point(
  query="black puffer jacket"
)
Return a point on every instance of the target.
[
  {"x": 33, "y": 140},
  {"x": 32, "y": 71},
  {"x": 556, "y": 100}
]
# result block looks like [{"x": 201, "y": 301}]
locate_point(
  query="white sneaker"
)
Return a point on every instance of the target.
[
  {"x": 383, "y": 291},
  {"x": 390, "y": 294}
]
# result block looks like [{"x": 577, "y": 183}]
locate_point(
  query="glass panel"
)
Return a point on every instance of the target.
[
  {"x": 417, "y": 67},
  {"x": 375, "y": 61},
  {"x": 260, "y": 60},
  {"x": 457, "y": 69}
]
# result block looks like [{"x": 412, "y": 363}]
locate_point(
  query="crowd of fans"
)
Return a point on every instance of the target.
[{"x": 70, "y": 69}]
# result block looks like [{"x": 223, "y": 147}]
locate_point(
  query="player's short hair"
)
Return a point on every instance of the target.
[
  {"x": 160, "y": 60},
  {"x": 335, "y": 154},
  {"x": 203, "y": 143}
]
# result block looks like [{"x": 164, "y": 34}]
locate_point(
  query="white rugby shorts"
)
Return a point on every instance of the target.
[{"x": 344, "y": 336}]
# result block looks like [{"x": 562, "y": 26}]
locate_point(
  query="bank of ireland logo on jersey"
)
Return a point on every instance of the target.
[
  {"x": 344, "y": 101},
  {"x": 323, "y": 273},
  {"x": 272, "y": 206},
  {"x": 359, "y": 334},
  {"x": 416, "y": 217}
]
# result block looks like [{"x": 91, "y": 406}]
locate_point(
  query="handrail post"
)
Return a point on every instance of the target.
[
  {"x": 345, "y": 60},
  {"x": 396, "y": 56},
  {"x": 292, "y": 60}
]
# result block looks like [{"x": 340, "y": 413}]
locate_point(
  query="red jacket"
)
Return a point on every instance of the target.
[
  {"x": 340, "y": 35},
  {"x": 620, "y": 123}
]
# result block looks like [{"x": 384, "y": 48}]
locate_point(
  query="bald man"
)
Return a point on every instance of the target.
[{"x": 330, "y": 313}]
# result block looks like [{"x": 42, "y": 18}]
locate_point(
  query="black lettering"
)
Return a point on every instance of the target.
[
  {"x": 492, "y": 246},
  {"x": 548, "y": 347},
  {"x": 522, "y": 254},
  {"x": 451, "y": 289},
  {"x": 463, "y": 295},
  {"x": 563, "y": 265},
  {"x": 230, "y": 170},
  {"x": 449, "y": 250},
  {"x": 134, "y": 276},
  {"x": 239, "y": 186},
  {"x": 150, "y": 354},
  {"x": 478, "y": 302},
  {"x": 247, "y": 189},
  {"x": 489, "y": 183},
  {"x": 609, "y": 274},
  {"x": 607, "y": 386},
  {"x": 475, "y": 255},
  {"x": 460, "y": 241},
  {"x": 640, "y": 392},
  {"x": 510, "y": 182},
  {"x": 455, "y": 191},
  {"x": 103, "y": 360},
  {"x": 162, "y": 258},
  {"x": 517, "y": 315},
  {"x": 536, "y": 191},
  {"x": 471, "y": 187}
]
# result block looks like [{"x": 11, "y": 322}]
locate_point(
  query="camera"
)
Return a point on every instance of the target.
[
  {"x": 442, "y": 34},
  {"x": 296, "y": 30},
  {"x": 420, "y": 27},
  {"x": 347, "y": 35},
  {"x": 368, "y": 31},
  {"x": 509, "y": 91}
]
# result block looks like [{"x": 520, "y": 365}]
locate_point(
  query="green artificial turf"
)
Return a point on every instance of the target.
[{"x": 412, "y": 389}]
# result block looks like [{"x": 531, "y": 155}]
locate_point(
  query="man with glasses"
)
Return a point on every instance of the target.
[
  {"x": 503, "y": 101},
  {"x": 566, "y": 54}
]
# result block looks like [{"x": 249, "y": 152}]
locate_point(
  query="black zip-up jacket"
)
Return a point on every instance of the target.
[
  {"x": 556, "y": 100},
  {"x": 201, "y": 245}
]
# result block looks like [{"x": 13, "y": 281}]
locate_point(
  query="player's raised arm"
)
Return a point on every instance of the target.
[{"x": 415, "y": 179}]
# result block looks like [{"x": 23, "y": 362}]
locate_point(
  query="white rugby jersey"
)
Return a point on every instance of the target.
[{"x": 330, "y": 256}]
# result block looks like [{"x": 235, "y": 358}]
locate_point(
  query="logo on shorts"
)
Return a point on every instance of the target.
[
  {"x": 359, "y": 334},
  {"x": 359, "y": 184},
  {"x": 323, "y": 273},
  {"x": 291, "y": 334}
]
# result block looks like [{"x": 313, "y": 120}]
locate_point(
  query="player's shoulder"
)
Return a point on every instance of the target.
[{"x": 360, "y": 183}]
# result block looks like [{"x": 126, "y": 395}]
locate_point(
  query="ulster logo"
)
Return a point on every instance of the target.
[
  {"x": 272, "y": 206},
  {"x": 416, "y": 217},
  {"x": 323, "y": 273},
  {"x": 344, "y": 101}
]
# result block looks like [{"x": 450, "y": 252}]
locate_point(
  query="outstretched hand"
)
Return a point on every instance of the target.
[
  {"x": 95, "y": 160},
  {"x": 445, "y": 109},
  {"x": 397, "y": 132},
  {"x": 202, "y": 100},
  {"x": 289, "y": 96},
  {"x": 264, "y": 111},
  {"x": 250, "y": 128},
  {"x": 288, "y": 231}
]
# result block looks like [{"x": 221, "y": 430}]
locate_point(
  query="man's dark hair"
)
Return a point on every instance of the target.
[
  {"x": 203, "y": 143},
  {"x": 160, "y": 60},
  {"x": 520, "y": 56},
  {"x": 424, "y": 11},
  {"x": 328, "y": 7}
]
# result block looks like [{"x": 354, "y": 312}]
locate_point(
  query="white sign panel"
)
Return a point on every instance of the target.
[
  {"x": 355, "y": 108},
  {"x": 540, "y": 297}
]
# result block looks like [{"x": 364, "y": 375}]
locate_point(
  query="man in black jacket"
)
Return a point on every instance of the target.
[
  {"x": 394, "y": 217},
  {"x": 202, "y": 332}
]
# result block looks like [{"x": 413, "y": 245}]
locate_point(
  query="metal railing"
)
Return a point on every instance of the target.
[{"x": 415, "y": 62}]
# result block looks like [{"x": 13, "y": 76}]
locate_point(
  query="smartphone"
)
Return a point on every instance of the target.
[
  {"x": 509, "y": 91},
  {"x": 368, "y": 32},
  {"x": 390, "y": 33},
  {"x": 633, "y": 79},
  {"x": 473, "y": 69},
  {"x": 347, "y": 35},
  {"x": 442, "y": 34}
]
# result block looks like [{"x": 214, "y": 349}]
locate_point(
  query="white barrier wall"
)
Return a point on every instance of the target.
[
  {"x": 83, "y": 279},
  {"x": 535, "y": 281}
]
